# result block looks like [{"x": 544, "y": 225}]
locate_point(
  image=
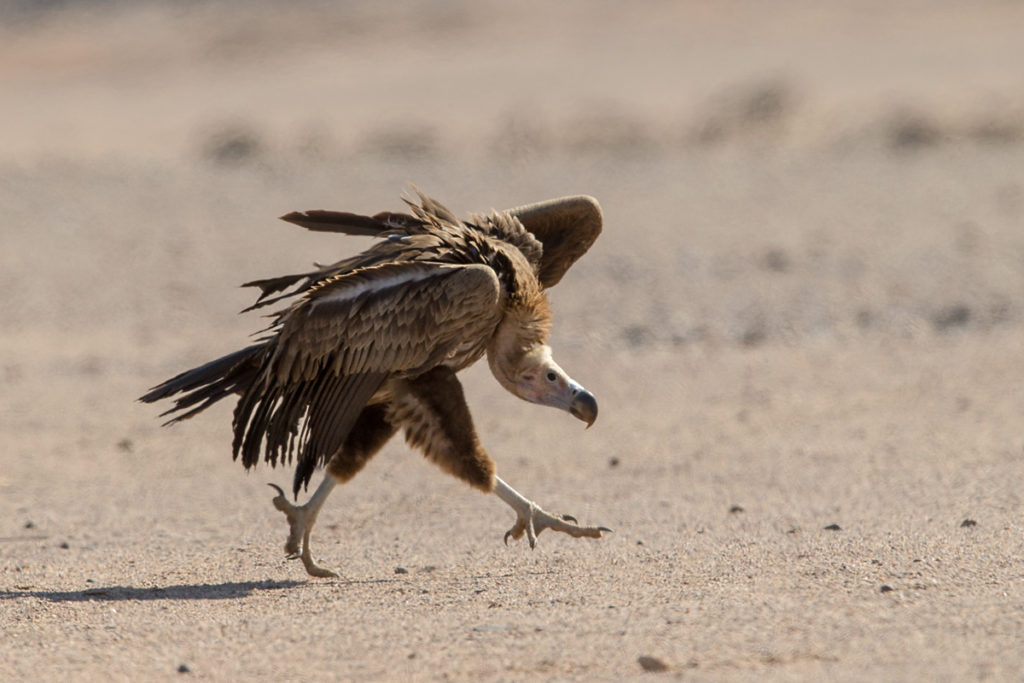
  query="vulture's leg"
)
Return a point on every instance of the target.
[
  {"x": 370, "y": 432},
  {"x": 433, "y": 411},
  {"x": 531, "y": 519},
  {"x": 301, "y": 519}
]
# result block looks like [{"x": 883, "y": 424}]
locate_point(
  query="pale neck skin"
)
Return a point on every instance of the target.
[{"x": 532, "y": 375}]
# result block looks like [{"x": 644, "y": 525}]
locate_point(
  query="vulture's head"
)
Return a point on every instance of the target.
[{"x": 535, "y": 377}]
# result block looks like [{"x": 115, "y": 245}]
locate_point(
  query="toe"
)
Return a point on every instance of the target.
[
  {"x": 280, "y": 502},
  {"x": 517, "y": 531},
  {"x": 320, "y": 572}
]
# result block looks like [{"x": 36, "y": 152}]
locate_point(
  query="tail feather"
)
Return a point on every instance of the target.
[{"x": 205, "y": 385}]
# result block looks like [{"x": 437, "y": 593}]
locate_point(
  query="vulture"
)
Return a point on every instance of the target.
[{"x": 371, "y": 345}]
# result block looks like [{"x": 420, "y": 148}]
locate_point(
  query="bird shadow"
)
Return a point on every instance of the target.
[
  {"x": 231, "y": 590},
  {"x": 199, "y": 591}
]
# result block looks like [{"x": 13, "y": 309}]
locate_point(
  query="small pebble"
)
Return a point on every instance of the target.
[
  {"x": 401, "y": 570},
  {"x": 613, "y": 462},
  {"x": 968, "y": 522},
  {"x": 648, "y": 663},
  {"x": 184, "y": 669},
  {"x": 736, "y": 508},
  {"x": 30, "y": 524},
  {"x": 833, "y": 527},
  {"x": 886, "y": 588},
  {"x": 64, "y": 545}
]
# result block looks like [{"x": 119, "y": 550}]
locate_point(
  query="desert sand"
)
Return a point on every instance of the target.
[{"x": 803, "y": 324}]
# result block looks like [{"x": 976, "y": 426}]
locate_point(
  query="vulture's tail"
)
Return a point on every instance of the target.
[{"x": 207, "y": 384}]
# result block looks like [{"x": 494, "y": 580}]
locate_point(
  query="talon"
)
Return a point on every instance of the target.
[
  {"x": 536, "y": 520},
  {"x": 280, "y": 502},
  {"x": 532, "y": 520}
]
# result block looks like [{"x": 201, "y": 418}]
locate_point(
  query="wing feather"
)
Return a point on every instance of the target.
[
  {"x": 394, "y": 318},
  {"x": 567, "y": 227},
  {"x": 335, "y": 348},
  {"x": 319, "y": 220}
]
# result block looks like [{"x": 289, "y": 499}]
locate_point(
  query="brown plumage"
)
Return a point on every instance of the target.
[{"x": 370, "y": 345}]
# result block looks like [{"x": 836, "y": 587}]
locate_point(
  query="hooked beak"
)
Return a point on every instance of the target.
[
  {"x": 584, "y": 406},
  {"x": 538, "y": 379}
]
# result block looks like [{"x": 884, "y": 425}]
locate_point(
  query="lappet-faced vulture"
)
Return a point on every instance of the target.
[{"x": 371, "y": 344}]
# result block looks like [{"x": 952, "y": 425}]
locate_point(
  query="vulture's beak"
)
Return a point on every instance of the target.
[{"x": 584, "y": 406}]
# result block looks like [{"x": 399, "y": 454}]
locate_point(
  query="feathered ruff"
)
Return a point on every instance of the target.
[{"x": 507, "y": 228}]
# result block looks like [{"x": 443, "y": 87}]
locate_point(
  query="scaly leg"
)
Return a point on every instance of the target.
[
  {"x": 531, "y": 519},
  {"x": 301, "y": 519}
]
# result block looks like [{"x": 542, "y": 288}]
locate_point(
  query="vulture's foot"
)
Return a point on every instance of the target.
[
  {"x": 537, "y": 520},
  {"x": 301, "y": 519},
  {"x": 531, "y": 519}
]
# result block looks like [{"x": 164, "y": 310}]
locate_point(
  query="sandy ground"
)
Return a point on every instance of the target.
[{"x": 803, "y": 324}]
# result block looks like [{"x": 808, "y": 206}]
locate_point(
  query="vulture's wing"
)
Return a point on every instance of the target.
[
  {"x": 566, "y": 227},
  {"x": 336, "y": 346},
  {"x": 395, "y": 317},
  {"x": 319, "y": 220}
]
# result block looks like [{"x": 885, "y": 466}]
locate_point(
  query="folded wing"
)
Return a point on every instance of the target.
[{"x": 336, "y": 347}]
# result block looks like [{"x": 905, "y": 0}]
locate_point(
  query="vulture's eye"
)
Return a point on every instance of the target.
[{"x": 552, "y": 377}]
